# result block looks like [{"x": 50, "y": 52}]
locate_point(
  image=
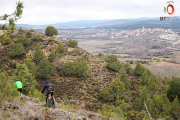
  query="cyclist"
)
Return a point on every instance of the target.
[
  {"x": 50, "y": 89},
  {"x": 19, "y": 86}
]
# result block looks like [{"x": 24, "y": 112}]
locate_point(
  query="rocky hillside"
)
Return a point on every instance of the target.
[
  {"x": 75, "y": 88},
  {"x": 31, "y": 109}
]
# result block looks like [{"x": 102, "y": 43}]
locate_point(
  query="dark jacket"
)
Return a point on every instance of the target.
[{"x": 49, "y": 87}]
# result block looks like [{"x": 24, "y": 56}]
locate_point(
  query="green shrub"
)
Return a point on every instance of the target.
[
  {"x": 8, "y": 91},
  {"x": 61, "y": 73},
  {"x": 127, "y": 67},
  {"x": 106, "y": 96},
  {"x": 69, "y": 68},
  {"x": 37, "y": 37},
  {"x": 14, "y": 63},
  {"x": 77, "y": 51},
  {"x": 72, "y": 43},
  {"x": 52, "y": 55},
  {"x": 126, "y": 106},
  {"x": 141, "y": 115},
  {"x": 38, "y": 53},
  {"x": 28, "y": 34},
  {"x": 149, "y": 72},
  {"x": 31, "y": 30},
  {"x": 4, "y": 59},
  {"x": 4, "y": 39},
  {"x": 127, "y": 82},
  {"x": 131, "y": 62},
  {"x": 112, "y": 58},
  {"x": 115, "y": 66},
  {"x": 118, "y": 112},
  {"x": 116, "y": 88},
  {"x": 37, "y": 94},
  {"x": 61, "y": 48},
  {"x": 17, "y": 49},
  {"x": 20, "y": 29},
  {"x": 50, "y": 30},
  {"x": 22, "y": 39},
  {"x": 144, "y": 79},
  {"x": 52, "y": 38},
  {"x": 100, "y": 55},
  {"x": 46, "y": 69},
  {"x": 0, "y": 44},
  {"x": 139, "y": 70},
  {"x": 82, "y": 68},
  {"x": 52, "y": 43},
  {"x": 173, "y": 89},
  {"x": 106, "y": 111}
]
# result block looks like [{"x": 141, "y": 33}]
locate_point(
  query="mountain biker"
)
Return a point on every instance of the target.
[
  {"x": 50, "y": 89},
  {"x": 19, "y": 86}
]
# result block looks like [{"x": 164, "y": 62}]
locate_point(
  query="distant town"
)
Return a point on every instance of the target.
[{"x": 137, "y": 32}]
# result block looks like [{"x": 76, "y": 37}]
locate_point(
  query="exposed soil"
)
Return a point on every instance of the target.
[{"x": 166, "y": 64}]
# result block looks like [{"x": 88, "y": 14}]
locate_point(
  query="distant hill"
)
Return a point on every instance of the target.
[
  {"x": 146, "y": 24},
  {"x": 86, "y": 23}
]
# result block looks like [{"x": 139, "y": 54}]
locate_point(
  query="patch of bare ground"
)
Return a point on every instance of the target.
[
  {"x": 163, "y": 69},
  {"x": 167, "y": 64}
]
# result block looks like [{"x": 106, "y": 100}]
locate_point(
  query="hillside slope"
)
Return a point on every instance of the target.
[{"x": 73, "y": 87}]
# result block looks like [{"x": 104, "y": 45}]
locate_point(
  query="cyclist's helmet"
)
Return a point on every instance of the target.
[
  {"x": 17, "y": 79},
  {"x": 47, "y": 82}
]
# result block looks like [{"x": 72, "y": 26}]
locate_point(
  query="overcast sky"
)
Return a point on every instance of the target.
[{"x": 39, "y": 12}]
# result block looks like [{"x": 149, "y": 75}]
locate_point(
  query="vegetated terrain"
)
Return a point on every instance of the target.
[
  {"x": 147, "y": 48},
  {"x": 96, "y": 83}
]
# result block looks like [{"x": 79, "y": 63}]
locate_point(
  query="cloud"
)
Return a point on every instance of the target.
[{"x": 53, "y": 11}]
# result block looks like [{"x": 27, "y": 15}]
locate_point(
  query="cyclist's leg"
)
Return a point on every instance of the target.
[
  {"x": 46, "y": 97},
  {"x": 52, "y": 95},
  {"x": 20, "y": 89}
]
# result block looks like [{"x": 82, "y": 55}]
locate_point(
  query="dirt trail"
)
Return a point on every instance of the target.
[{"x": 31, "y": 109}]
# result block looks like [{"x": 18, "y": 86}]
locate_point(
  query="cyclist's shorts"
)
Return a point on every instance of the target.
[
  {"x": 52, "y": 93},
  {"x": 20, "y": 90}
]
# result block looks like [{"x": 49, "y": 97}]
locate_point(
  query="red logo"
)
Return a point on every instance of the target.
[{"x": 170, "y": 8}]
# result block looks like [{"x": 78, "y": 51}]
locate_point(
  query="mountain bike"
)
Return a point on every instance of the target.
[{"x": 50, "y": 101}]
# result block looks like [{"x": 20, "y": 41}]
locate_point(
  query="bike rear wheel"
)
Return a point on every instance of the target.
[
  {"x": 53, "y": 103},
  {"x": 48, "y": 103}
]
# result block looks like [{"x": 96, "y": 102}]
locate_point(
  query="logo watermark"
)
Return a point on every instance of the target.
[{"x": 170, "y": 10}]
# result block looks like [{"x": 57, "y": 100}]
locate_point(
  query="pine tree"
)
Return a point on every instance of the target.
[
  {"x": 82, "y": 68},
  {"x": 22, "y": 39},
  {"x": 116, "y": 88},
  {"x": 22, "y": 73},
  {"x": 174, "y": 89},
  {"x": 52, "y": 55},
  {"x": 144, "y": 79},
  {"x": 7, "y": 91},
  {"x": 17, "y": 49},
  {"x": 139, "y": 70},
  {"x": 31, "y": 66},
  {"x": 69, "y": 68},
  {"x": 46, "y": 69},
  {"x": 50, "y": 30},
  {"x": 61, "y": 48},
  {"x": 127, "y": 82},
  {"x": 38, "y": 53},
  {"x": 175, "y": 109}
]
